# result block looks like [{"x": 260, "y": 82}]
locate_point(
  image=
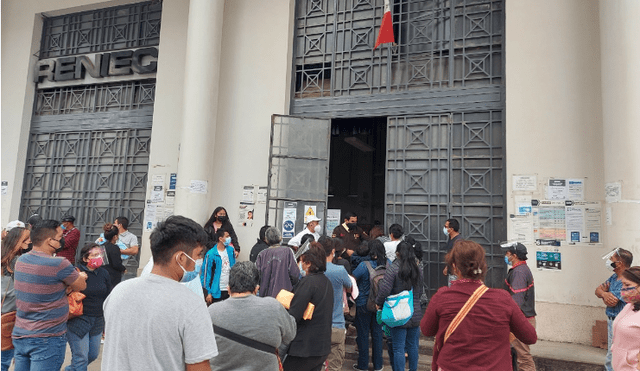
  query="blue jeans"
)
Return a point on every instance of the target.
[
  {"x": 7, "y": 357},
  {"x": 84, "y": 350},
  {"x": 366, "y": 323},
  {"x": 40, "y": 354},
  {"x": 405, "y": 339},
  {"x": 607, "y": 361}
]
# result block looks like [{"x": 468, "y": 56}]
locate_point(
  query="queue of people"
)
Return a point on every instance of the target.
[{"x": 231, "y": 319}]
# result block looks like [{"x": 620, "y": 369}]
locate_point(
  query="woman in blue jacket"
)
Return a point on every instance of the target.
[{"x": 216, "y": 267}]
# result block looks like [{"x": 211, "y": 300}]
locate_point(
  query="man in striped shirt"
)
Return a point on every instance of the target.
[{"x": 39, "y": 335}]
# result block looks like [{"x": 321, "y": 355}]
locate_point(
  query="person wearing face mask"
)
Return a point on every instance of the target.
[
  {"x": 85, "y": 332},
  {"x": 154, "y": 322},
  {"x": 350, "y": 233},
  {"x": 71, "y": 236},
  {"x": 626, "y": 328},
  {"x": 313, "y": 227},
  {"x": 40, "y": 282},
  {"x": 617, "y": 261},
  {"x": 451, "y": 230},
  {"x": 277, "y": 265},
  {"x": 519, "y": 284},
  {"x": 216, "y": 267},
  {"x": 220, "y": 219}
]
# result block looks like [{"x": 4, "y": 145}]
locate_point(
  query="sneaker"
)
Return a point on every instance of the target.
[{"x": 355, "y": 367}]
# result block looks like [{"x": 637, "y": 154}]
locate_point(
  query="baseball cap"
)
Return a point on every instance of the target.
[
  {"x": 515, "y": 248},
  {"x": 68, "y": 218},
  {"x": 14, "y": 224},
  {"x": 313, "y": 218}
]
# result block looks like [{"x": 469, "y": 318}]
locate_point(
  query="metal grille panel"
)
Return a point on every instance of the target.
[
  {"x": 121, "y": 27},
  {"x": 440, "y": 44},
  {"x": 448, "y": 166}
]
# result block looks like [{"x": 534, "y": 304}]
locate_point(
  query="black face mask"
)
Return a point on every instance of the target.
[
  {"x": 61, "y": 245},
  {"x": 29, "y": 248},
  {"x": 352, "y": 225},
  {"x": 222, "y": 218}
]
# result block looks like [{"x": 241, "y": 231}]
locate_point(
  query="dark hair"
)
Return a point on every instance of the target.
[
  {"x": 315, "y": 257},
  {"x": 244, "y": 277},
  {"x": 84, "y": 252},
  {"x": 338, "y": 244},
  {"x": 327, "y": 245},
  {"x": 43, "y": 230},
  {"x": 219, "y": 234},
  {"x": 33, "y": 220},
  {"x": 306, "y": 237},
  {"x": 110, "y": 231},
  {"x": 417, "y": 246},
  {"x": 408, "y": 270},
  {"x": 377, "y": 252},
  {"x": 348, "y": 215},
  {"x": 453, "y": 224},
  {"x": 626, "y": 257},
  {"x": 396, "y": 231},
  {"x": 633, "y": 275},
  {"x": 123, "y": 221},
  {"x": 469, "y": 258},
  {"x": 208, "y": 227},
  {"x": 376, "y": 232},
  {"x": 362, "y": 249},
  {"x": 10, "y": 248},
  {"x": 263, "y": 230},
  {"x": 177, "y": 233}
]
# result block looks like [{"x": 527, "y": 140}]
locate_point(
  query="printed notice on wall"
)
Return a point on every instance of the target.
[
  {"x": 247, "y": 194},
  {"x": 171, "y": 198},
  {"x": 5, "y": 187},
  {"x": 309, "y": 211},
  {"x": 150, "y": 216},
  {"x": 557, "y": 189},
  {"x": 289, "y": 219},
  {"x": 198, "y": 186},
  {"x": 549, "y": 260},
  {"x": 523, "y": 205},
  {"x": 584, "y": 221},
  {"x": 525, "y": 183},
  {"x": 158, "y": 179},
  {"x": 157, "y": 194},
  {"x": 245, "y": 215},
  {"x": 613, "y": 192},
  {"x": 551, "y": 220},
  {"x": 333, "y": 220},
  {"x": 575, "y": 189},
  {"x": 262, "y": 195},
  {"x": 521, "y": 228}
]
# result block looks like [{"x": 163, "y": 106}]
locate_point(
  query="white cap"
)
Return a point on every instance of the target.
[
  {"x": 313, "y": 218},
  {"x": 14, "y": 224}
]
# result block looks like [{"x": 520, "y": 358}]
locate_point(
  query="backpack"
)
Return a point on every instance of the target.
[{"x": 375, "y": 276}]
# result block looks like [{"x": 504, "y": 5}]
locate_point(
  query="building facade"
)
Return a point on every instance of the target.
[{"x": 145, "y": 109}]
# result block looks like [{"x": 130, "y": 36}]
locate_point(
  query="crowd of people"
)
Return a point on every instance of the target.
[{"x": 197, "y": 307}]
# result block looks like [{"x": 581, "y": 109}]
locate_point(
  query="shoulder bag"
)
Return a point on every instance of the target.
[
  {"x": 75, "y": 302},
  {"x": 398, "y": 309},
  {"x": 8, "y": 321}
]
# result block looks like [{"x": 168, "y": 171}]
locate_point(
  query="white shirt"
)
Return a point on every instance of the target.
[
  {"x": 295, "y": 241},
  {"x": 390, "y": 249}
]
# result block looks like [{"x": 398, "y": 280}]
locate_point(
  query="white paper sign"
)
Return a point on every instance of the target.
[
  {"x": 309, "y": 211},
  {"x": 557, "y": 189},
  {"x": 333, "y": 220},
  {"x": 613, "y": 192},
  {"x": 198, "y": 186},
  {"x": 521, "y": 228},
  {"x": 523, "y": 205},
  {"x": 158, "y": 180},
  {"x": 4, "y": 187},
  {"x": 525, "y": 183},
  {"x": 157, "y": 194},
  {"x": 262, "y": 195},
  {"x": 247, "y": 195},
  {"x": 575, "y": 189}
]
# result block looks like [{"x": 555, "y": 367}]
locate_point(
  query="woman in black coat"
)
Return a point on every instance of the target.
[
  {"x": 312, "y": 344},
  {"x": 114, "y": 259}
]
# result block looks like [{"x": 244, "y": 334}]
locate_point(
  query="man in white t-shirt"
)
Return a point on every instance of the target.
[
  {"x": 395, "y": 233},
  {"x": 127, "y": 238},
  {"x": 313, "y": 228},
  {"x": 155, "y": 323}
]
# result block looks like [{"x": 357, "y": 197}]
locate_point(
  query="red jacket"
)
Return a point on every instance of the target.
[
  {"x": 481, "y": 341},
  {"x": 71, "y": 239}
]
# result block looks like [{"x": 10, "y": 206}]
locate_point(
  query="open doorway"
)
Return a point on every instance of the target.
[{"x": 357, "y": 168}]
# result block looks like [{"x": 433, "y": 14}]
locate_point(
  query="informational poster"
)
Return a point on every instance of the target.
[
  {"x": 157, "y": 194},
  {"x": 551, "y": 220},
  {"x": 4, "y": 187},
  {"x": 262, "y": 195},
  {"x": 198, "y": 186},
  {"x": 549, "y": 260},
  {"x": 609, "y": 216},
  {"x": 173, "y": 179},
  {"x": 171, "y": 198},
  {"x": 575, "y": 189},
  {"x": 523, "y": 205},
  {"x": 168, "y": 211},
  {"x": 333, "y": 220},
  {"x": 584, "y": 221},
  {"x": 613, "y": 192},
  {"x": 309, "y": 211},
  {"x": 557, "y": 189},
  {"x": 245, "y": 215},
  {"x": 521, "y": 228},
  {"x": 574, "y": 216},
  {"x": 525, "y": 183},
  {"x": 150, "y": 215},
  {"x": 289, "y": 219},
  {"x": 247, "y": 194},
  {"x": 593, "y": 221},
  {"x": 157, "y": 179}
]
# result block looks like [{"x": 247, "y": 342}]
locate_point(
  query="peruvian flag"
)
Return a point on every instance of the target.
[{"x": 386, "y": 28}]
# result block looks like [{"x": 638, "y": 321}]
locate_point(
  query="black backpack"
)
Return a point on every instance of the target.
[{"x": 375, "y": 276}]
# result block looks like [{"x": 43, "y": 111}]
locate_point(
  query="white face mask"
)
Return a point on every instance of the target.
[
  {"x": 318, "y": 229},
  {"x": 446, "y": 231},
  {"x": 609, "y": 264}
]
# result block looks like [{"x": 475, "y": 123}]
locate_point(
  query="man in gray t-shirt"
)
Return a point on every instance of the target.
[
  {"x": 127, "y": 238},
  {"x": 155, "y": 323}
]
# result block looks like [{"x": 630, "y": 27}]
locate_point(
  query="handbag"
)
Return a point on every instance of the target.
[
  {"x": 8, "y": 321},
  {"x": 255, "y": 344},
  {"x": 75, "y": 302},
  {"x": 457, "y": 320},
  {"x": 398, "y": 309}
]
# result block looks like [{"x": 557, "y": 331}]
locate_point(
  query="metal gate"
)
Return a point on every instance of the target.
[
  {"x": 445, "y": 166},
  {"x": 298, "y": 170},
  {"x": 88, "y": 155}
]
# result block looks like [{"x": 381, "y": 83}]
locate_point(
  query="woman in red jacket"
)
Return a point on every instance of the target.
[{"x": 481, "y": 341}]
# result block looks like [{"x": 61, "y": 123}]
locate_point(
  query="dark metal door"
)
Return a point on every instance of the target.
[{"x": 298, "y": 168}]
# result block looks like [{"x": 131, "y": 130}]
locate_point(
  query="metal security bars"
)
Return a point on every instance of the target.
[
  {"x": 121, "y": 27},
  {"x": 439, "y": 44},
  {"x": 448, "y": 166},
  {"x": 95, "y": 98}
]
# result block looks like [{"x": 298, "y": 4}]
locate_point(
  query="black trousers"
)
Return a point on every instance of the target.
[{"x": 292, "y": 363}]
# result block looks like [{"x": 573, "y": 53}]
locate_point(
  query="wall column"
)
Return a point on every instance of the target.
[
  {"x": 620, "y": 54},
  {"x": 200, "y": 107}
]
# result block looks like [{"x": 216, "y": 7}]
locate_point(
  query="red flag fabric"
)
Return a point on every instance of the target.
[{"x": 386, "y": 28}]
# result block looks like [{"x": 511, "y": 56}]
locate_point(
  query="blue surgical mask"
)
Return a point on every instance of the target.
[
  {"x": 62, "y": 226},
  {"x": 302, "y": 272},
  {"x": 506, "y": 260},
  {"x": 446, "y": 232},
  {"x": 227, "y": 241},
  {"x": 190, "y": 275}
]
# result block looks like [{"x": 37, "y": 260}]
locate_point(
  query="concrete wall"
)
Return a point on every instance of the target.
[{"x": 554, "y": 129}]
